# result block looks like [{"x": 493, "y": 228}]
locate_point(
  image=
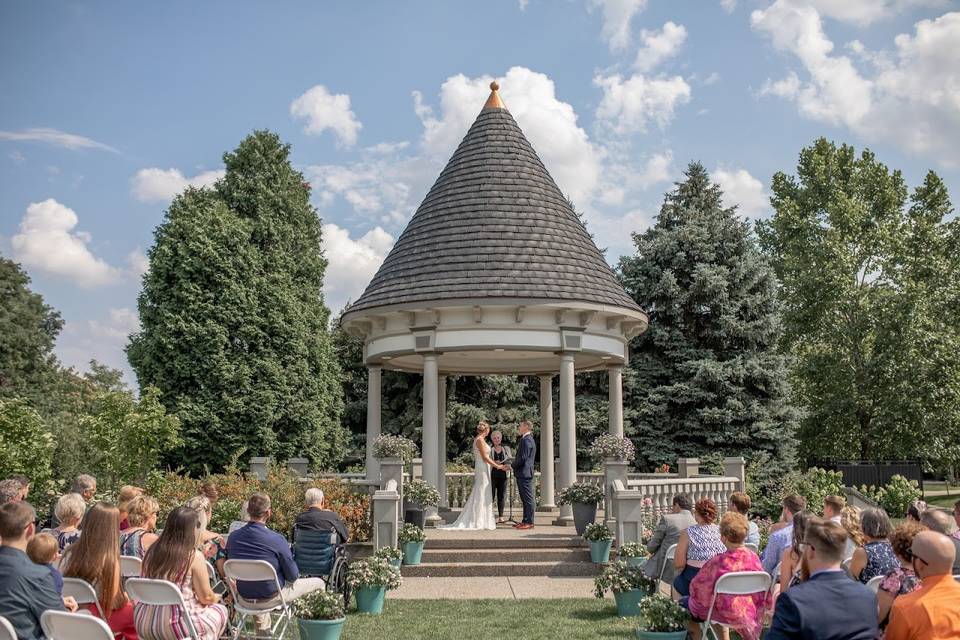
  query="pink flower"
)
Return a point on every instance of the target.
[{"x": 648, "y": 502}]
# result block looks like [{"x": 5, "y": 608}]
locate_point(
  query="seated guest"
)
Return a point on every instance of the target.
[
  {"x": 941, "y": 522},
  {"x": 127, "y": 493},
  {"x": 212, "y": 543},
  {"x": 792, "y": 569},
  {"x": 956, "y": 519},
  {"x": 315, "y": 517},
  {"x": 86, "y": 486},
  {"x": 901, "y": 580},
  {"x": 95, "y": 558},
  {"x": 740, "y": 503},
  {"x": 69, "y": 512},
  {"x": 666, "y": 535},
  {"x": 24, "y": 485},
  {"x": 876, "y": 557},
  {"x": 828, "y": 606},
  {"x": 10, "y": 491},
  {"x": 931, "y": 612},
  {"x": 782, "y": 537},
  {"x": 698, "y": 543},
  {"x": 26, "y": 589},
  {"x": 254, "y": 541},
  {"x": 141, "y": 523},
  {"x": 209, "y": 491},
  {"x": 833, "y": 508},
  {"x": 174, "y": 557},
  {"x": 850, "y": 520},
  {"x": 242, "y": 522},
  {"x": 915, "y": 510},
  {"x": 43, "y": 550},
  {"x": 740, "y": 612}
]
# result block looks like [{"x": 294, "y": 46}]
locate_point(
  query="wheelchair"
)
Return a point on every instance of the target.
[{"x": 318, "y": 554}]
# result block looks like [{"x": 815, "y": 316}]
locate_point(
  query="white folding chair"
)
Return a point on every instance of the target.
[
  {"x": 61, "y": 625},
  {"x": 874, "y": 583},
  {"x": 160, "y": 593},
  {"x": 753, "y": 548},
  {"x": 668, "y": 557},
  {"x": 256, "y": 571},
  {"x": 736, "y": 583},
  {"x": 845, "y": 565},
  {"x": 6, "y": 630},
  {"x": 83, "y": 592},
  {"x": 130, "y": 566}
]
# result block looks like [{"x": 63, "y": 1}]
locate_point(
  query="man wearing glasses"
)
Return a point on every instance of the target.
[{"x": 932, "y": 612}]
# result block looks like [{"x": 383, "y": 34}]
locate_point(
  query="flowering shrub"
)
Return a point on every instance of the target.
[
  {"x": 421, "y": 493},
  {"x": 896, "y": 497},
  {"x": 410, "y": 532},
  {"x": 387, "y": 446},
  {"x": 319, "y": 605},
  {"x": 632, "y": 550},
  {"x": 662, "y": 614},
  {"x": 373, "y": 572},
  {"x": 610, "y": 446},
  {"x": 816, "y": 484},
  {"x": 664, "y": 468},
  {"x": 596, "y": 532},
  {"x": 388, "y": 553},
  {"x": 763, "y": 526},
  {"x": 620, "y": 577},
  {"x": 582, "y": 492}
]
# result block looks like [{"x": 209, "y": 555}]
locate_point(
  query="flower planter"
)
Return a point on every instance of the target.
[
  {"x": 412, "y": 552},
  {"x": 661, "y": 635},
  {"x": 415, "y": 514},
  {"x": 395, "y": 562},
  {"x": 636, "y": 562},
  {"x": 320, "y": 629},
  {"x": 600, "y": 551},
  {"x": 583, "y": 514},
  {"x": 628, "y": 602},
  {"x": 370, "y": 599}
]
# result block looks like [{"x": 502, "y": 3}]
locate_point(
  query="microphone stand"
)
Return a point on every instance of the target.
[{"x": 510, "y": 496}]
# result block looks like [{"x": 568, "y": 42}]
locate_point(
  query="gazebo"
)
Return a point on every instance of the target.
[{"x": 495, "y": 274}]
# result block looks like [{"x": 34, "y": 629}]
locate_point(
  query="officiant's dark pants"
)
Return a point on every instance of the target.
[{"x": 525, "y": 485}]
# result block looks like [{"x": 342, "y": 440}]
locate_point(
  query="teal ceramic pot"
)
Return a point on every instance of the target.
[
  {"x": 321, "y": 629},
  {"x": 628, "y": 602},
  {"x": 412, "y": 552},
  {"x": 600, "y": 550},
  {"x": 370, "y": 599},
  {"x": 636, "y": 562},
  {"x": 396, "y": 562},
  {"x": 661, "y": 635}
]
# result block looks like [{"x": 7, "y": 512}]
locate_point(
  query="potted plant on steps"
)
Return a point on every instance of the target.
[
  {"x": 370, "y": 579},
  {"x": 393, "y": 555},
  {"x": 584, "y": 498},
  {"x": 320, "y": 615},
  {"x": 662, "y": 619},
  {"x": 411, "y": 539},
  {"x": 634, "y": 554},
  {"x": 629, "y": 586},
  {"x": 419, "y": 495},
  {"x": 601, "y": 539}
]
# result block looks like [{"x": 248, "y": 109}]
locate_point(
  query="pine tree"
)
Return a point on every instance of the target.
[
  {"x": 234, "y": 325},
  {"x": 705, "y": 380}
]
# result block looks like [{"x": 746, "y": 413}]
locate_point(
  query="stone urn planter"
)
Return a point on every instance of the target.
[
  {"x": 583, "y": 497},
  {"x": 419, "y": 495},
  {"x": 583, "y": 514}
]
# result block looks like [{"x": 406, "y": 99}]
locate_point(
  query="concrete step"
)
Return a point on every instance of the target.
[
  {"x": 500, "y": 569},
  {"x": 546, "y": 541},
  {"x": 506, "y": 555}
]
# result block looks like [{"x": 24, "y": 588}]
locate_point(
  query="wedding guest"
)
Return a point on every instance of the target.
[
  {"x": 42, "y": 549},
  {"x": 209, "y": 490},
  {"x": 915, "y": 510},
  {"x": 850, "y": 520},
  {"x": 10, "y": 491},
  {"x": 212, "y": 543},
  {"x": 698, "y": 543},
  {"x": 792, "y": 569},
  {"x": 25, "y": 484},
  {"x": 941, "y": 522},
  {"x": 95, "y": 558},
  {"x": 69, "y": 512},
  {"x": 901, "y": 580},
  {"x": 86, "y": 486},
  {"x": 783, "y": 537},
  {"x": 876, "y": 557},
  {"x": 666, "y": 535},
  {"x": 956, "y": 519},
  {"x": 833, "y": 508},
  {"x": 741, "y": 611},
  {"x": 930, "y": 612},
  {"x": 316, "y": 517},
  {"x": 127, "y": 493},
  {"x": 740, "y": 502},
  {"x": 498, "y": 477},
  {"x": 142, "y": 522}
]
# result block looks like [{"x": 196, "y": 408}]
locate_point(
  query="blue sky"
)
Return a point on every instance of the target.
[{"x": 109, "y": 108}]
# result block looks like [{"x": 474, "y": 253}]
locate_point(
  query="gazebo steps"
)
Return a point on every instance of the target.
[
  {"x": 500, "y": 555},
  {"x": 456, "y": 541},
  {"x": 500, "y": 569}
]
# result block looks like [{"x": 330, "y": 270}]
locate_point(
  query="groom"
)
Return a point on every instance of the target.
[{"x": 523, "y": 470}]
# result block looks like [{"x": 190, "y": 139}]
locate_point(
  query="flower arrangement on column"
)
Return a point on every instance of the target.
[
  {"x": 388, "y": 446},
  {"x": 610, "y": 447}
]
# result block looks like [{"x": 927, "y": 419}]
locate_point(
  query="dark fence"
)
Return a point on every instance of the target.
[{"x": 873, "y": 472}]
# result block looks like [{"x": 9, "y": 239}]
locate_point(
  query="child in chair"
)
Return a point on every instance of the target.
[{"x": 43, "y": 549}]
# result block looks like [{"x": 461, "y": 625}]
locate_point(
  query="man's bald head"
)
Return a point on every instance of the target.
[
  {"x": 938, "y": 520},
  {"x": 933, "y": 554}
]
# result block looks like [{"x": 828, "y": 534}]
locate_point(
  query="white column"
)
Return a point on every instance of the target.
[
  {"x": 373, "y": 421},
  {"x": 442, "y": 440},
  {"x": 429, "y": 437},
  {"x": 546, "y": 442},
  {"x": 615, "y": 404},
  {"x": 568, "y": 428}
]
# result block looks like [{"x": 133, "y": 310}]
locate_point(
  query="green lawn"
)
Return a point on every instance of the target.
[
  {"x": 946, "y": 502},
  {"x": 506, "y": 619}
]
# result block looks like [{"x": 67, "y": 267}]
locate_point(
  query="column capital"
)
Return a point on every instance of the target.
[
  {"x": 567, "y": 357},
  {"x": 547, "y": 376},
  {"x": 374, "y": 367},
  {"x": 615, "y": 366},
  {"x": 429, "y": 357}
]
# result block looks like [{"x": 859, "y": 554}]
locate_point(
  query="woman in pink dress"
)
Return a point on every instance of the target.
[{"x": 743, "y": 613}]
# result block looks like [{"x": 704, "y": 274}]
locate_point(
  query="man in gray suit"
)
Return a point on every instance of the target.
[{"x": 667, "y": 535}]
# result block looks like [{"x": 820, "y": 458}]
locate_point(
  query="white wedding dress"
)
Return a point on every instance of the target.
[{"x": 478, "y": 511}]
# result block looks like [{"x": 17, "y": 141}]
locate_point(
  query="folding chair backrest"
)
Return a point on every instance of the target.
[
  {"x": 82, "y": 591},
  {"x": 6, "y": 630},
  {"x": 251, "y": 571},
  {"x": 845, "y": 565},
  {"x": 313, "y": 551},
  {"x": 874, "y": 583},
  {"x": 671, "y": 552},
  {"x": 161, "y": 593},
  {"x": 753, "y": 547},
  {"x": 130, "y": 566},
  {"x": 739, "y": 583},
  {"x": 61, "y": 625}
]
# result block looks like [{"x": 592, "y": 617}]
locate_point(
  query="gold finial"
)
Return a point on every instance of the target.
[{"x": 494, "y": 101}]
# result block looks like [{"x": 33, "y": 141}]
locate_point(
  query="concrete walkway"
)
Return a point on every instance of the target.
[{"x": 505, "y": 588}]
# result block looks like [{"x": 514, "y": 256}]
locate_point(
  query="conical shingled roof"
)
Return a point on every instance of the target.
[{"x": 494, "y": 225}]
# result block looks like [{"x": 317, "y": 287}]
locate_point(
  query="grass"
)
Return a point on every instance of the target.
[
  {"x": 458, "y": 619},
  {"x": 946, "y": 502}
]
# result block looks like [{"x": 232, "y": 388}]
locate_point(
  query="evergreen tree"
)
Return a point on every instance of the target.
[
  {"x": 234, "y": 326},
  {"x": 705, "y": 380}
]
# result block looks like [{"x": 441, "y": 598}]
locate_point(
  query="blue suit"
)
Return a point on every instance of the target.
[
  {"x": 523, "y": 470},
  {"x": 829, "y": 606}
]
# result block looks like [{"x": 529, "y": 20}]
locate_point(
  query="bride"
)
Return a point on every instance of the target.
[{"x": 478, "y": 511}]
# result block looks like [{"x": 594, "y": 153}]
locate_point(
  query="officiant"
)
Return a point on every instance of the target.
[{"x": 499, "y": 452}]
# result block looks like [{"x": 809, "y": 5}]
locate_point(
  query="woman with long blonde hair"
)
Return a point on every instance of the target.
[{"x": 477, "y": 513}]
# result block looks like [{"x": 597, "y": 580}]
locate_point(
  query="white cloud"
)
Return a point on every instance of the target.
[
  {"x": 523, "y": 4},
  {"x": 121, "y": 323},
  {"x": 788, "y": 87},
  {"x": 865, "y": 12},
  {"x": 657, "y": 46},
  {"x": 47, "y": 242},
  {"x": 617, "y": 15},
  {"x": 161, "y": 185},
  {"x": 324, "y": 110},
  {"x": 351, "y": 263},
  {"x": 387, "y": 148},
  {"x": 102, "y": 339},
  {"x": 137, "y": 263},
  {"x": 728, "y": 5},
  {"x": 17, "y": 157},
  {"x": 742, "y": 189},
  {"x": 631, "y": 105},
  {"x": 712, "y": 79},
  {"x": 56, "y": 138}
]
